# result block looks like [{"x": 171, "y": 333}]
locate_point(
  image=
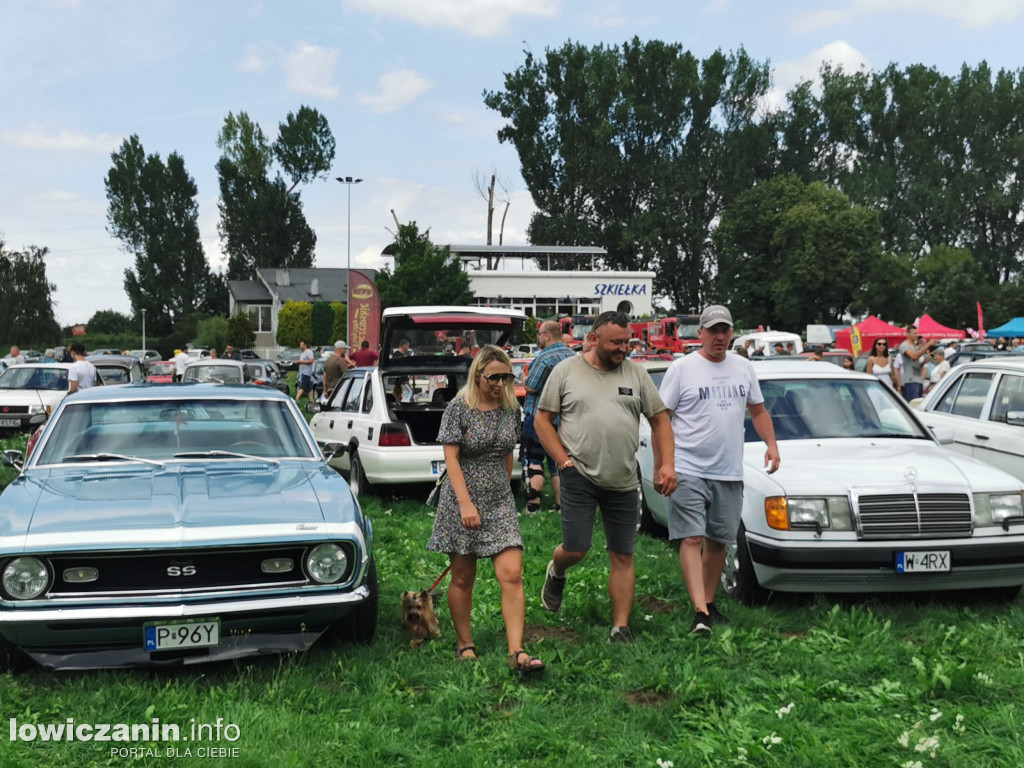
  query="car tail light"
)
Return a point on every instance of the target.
[{"x": 394, "y": 435}]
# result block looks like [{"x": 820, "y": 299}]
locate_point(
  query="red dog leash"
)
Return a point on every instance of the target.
[{"x": 440, "y": 577}]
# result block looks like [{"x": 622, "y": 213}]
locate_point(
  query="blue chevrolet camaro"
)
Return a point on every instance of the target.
[{"x": 156, "y": 525}]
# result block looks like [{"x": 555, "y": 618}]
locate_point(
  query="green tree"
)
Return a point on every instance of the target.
[
  {"x": 637, "y": 148},
  {"x": 26, "y": 298},
  {"x": 792, "y": 253},
  {"x": 294, "y": 323},
  {"x": 261, "y": 219},
  {"x": 110, "y": 321},
  {"x": 213, "y": 333},
  {"x": 322, "y": 321},
  {"x": 152, "y": 210},
  {"x": 423, "y": 273},
  {"x": 305, "y": 146},
  {"x": 240, "y": 333},
  {"x": 951, "y": 283},
  {"x": 340, "y": 328}
]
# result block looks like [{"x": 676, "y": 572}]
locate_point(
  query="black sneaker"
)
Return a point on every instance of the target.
[
  {"x": 621, "y": 635},
  {"x": 716, "y": 615},
  {"x": 551, "y": 593},
  {"x": 701, "y": 624}
]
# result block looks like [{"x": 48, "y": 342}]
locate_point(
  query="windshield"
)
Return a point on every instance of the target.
[
  {"x": 17, "y": 377},
  {"x": 159, "y": 429},
  {"x": 161, "y": 369},
  {"x": 811, "y": 409},
  {"x": 114, "y": 375},
  {"x": 216, "y": 373}
]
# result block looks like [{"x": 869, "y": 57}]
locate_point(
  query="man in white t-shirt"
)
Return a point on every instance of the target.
[
  {"x": 709, "y": 393},
  {"x": 82, "y": 374},
  {"x": 940, "y": 369},
  {"x": 181, "y": 361}
]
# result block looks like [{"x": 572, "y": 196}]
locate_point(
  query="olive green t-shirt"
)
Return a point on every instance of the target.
[{"x": 599, "y": 417}]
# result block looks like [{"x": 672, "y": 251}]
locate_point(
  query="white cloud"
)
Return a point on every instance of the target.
[
  {"x": 67, "y": 204},
  {"x": 35, "y": 137},
  {"x": 310, "y": 70},
  {"x": 258, "y": 57},
  {"x": 397, "y": 89},
  {"x": 975, "y": 13},
  {"x": 787, "y": 74},
  {"x": 480, "y": 18}
]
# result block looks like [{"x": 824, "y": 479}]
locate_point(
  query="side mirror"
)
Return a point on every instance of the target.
[
  {"x": 333, "y": 449},
  {"x": 1015, "y": 418},
  {"x": 944, "y": 435},
  {"x": 313, "y": 408},
  {"x": 14, "y": 458}
]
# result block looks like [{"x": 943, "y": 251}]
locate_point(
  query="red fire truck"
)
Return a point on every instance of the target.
[{"x": 577, "y": 326}]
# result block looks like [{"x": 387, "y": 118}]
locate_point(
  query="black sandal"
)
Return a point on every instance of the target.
[
  {"x": 460, "y": 653},
  {"x": 529, "y": 667}
]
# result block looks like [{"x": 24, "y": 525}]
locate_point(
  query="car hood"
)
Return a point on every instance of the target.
[
  {"x": 836, "y": 466},
  {"x": 31, "y": 396},
  {"x": 181, "y": 504}
]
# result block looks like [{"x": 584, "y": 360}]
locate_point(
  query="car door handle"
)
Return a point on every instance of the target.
[
  {"x": 981, "y": 437},
  {"x": 331, "y": 424},
  {"x": 349, "y": 424}
]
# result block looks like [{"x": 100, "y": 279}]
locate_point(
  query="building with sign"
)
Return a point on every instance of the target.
[{"x": 553, "y": 281}]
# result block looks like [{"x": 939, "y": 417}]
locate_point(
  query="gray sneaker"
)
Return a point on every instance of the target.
[
  {"x": 551, "y": 594},
  {"x": 621, "y": 635}
]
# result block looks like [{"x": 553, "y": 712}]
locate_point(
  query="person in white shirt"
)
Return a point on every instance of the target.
[
  {"x": 82, "y": 374},
  {"x": 940, "y": 369},
  {"x": 15, "y": 358},
  {"x": 181, "y": 360},
  {"x": 710, "y": 393}
]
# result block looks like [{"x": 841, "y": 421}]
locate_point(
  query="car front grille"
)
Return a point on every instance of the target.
[
  {"x": 13, "y": 410},
  {"x": 183, "y": 571},
  {"x": 913, "y": 515}
]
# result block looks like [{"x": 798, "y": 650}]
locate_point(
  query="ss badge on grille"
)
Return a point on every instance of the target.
[{"x": 181, "y": 570}]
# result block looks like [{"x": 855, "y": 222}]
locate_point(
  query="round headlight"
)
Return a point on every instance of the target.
[
  {"x": 326, "y": 563},
  {"x": 25, "y": 578}
]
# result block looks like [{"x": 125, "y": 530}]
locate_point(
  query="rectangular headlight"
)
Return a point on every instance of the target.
[
  {"x": 808, "y": 513},
  {"x": 1005, "y": 506}
]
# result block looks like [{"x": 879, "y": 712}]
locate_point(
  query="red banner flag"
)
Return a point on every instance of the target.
[
  {"x": 981, "y": 325},
  {"x": 364, "y": 313}
]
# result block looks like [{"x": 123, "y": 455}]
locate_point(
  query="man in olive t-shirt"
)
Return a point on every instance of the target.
[{"x": 598, "y": 398}]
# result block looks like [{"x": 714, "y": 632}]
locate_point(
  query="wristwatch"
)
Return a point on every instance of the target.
[{"x": 566, "y": 464}]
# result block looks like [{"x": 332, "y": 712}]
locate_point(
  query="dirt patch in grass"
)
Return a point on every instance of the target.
[
  {"x": 649, "y": 698},
  {"x": 656, "y": 605},
  {"x": 798, "y": 633},
  {"x": 535, "y": 632}
]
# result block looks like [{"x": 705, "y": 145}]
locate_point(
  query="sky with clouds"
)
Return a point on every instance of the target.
[{"x": 400, "y": 82}]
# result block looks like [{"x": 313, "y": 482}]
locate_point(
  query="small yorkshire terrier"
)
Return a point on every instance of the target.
[{"x": 418, "y": 616}]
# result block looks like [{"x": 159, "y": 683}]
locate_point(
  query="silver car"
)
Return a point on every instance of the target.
[{"x": 866, "y": 498}]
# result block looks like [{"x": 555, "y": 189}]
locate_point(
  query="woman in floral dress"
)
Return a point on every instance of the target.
[{"x": 476, "y": 513}]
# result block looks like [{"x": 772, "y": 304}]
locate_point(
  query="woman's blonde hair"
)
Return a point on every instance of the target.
[{"x": 471, "y": 392}]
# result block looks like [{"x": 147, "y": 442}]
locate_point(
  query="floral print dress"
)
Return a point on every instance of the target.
[{"x": 485, "y": 439}]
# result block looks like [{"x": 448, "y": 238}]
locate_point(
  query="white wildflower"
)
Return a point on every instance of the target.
[
  {"x": 648, "y": 617},
  {"x": 935, "y": 715},
  {"x": 912, "y": 764},
  {"x": 981, "y": 677},
  {"x": 665, "y": 763},
  {"x": 958, "y": 726},
  {"x": 741, "y": 754},
  {"x": 771, "y": 740},
  {"x": 904, "y": 739},
  {"x": 783, "y": 711},
  {"x": 929, "y": 744}
]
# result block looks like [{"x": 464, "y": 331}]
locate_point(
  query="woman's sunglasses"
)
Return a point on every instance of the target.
[{"x": 500, "y": 378}]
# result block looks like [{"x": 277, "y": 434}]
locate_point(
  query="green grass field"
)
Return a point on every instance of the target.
[{"x": 801, "y": 682}]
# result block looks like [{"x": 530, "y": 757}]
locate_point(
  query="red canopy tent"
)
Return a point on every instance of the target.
[
  {"x": 931, "y": 328},
  {"x": 869, "y": 329}
]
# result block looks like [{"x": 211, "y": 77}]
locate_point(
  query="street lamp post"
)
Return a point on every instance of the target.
[
  {"x": 349, "y": 181},
  {"x": 143, "y": 332}
]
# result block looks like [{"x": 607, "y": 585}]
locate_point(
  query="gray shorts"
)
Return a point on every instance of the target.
[
  {"x": 580, "y": 500},
  {"x": 708, "y": 508}
]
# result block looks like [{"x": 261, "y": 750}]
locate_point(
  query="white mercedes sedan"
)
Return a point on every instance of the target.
[{"x": 866, "y": 499}]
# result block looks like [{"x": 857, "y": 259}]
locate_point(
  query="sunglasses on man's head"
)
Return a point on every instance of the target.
[{"x": 500, "y": 378}]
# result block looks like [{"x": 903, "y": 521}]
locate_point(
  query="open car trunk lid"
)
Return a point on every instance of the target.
[{"x": 436, "y": 335}]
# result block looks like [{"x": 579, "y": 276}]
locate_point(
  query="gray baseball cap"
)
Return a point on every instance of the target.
[
  {"x": 340, "y": 345},
  {"x": 715, "y": 314}
]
